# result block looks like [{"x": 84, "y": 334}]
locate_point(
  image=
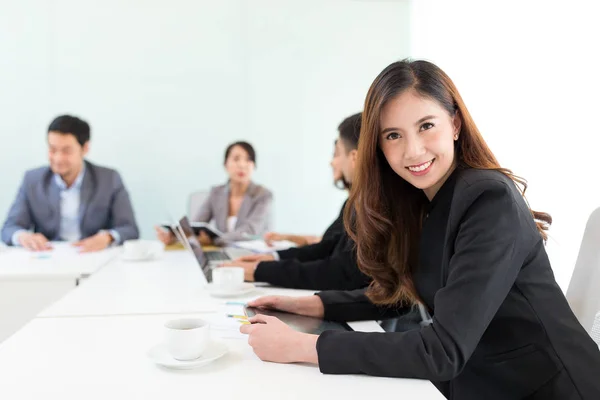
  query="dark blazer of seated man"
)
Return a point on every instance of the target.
[
  {"x": 71, "y": 199},
  {"x": 329, "y": 264}
]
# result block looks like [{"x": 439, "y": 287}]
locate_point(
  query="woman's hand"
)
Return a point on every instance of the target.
[
  {"x": 271, "y": 237},
  {"x": 272, "y": 340},
  {"x": 255, "y": 257},
  {"x": 299, "y": 240},
  {"x": 311, "y": 306},
  {"x": 204, "y": 239},
  {"x": 313, "y": 239},
  {"x": 164, "y": 235}
]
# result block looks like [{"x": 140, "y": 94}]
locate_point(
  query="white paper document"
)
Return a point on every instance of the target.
[
  {"x": 260, "y": 246},
  {"x": 62, "y": 258}
]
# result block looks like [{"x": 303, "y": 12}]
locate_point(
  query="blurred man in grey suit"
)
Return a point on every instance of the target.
[{"x": 71, "y": 199}]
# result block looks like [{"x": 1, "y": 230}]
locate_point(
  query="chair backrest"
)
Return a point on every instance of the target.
[
  {"x": 583, "y": 293},
  {"x": 195, "y": 201},
  {"x": 596, "y": 330}
]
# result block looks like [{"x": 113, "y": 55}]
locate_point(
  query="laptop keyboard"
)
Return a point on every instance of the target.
[{"x": 216, "y": 256}]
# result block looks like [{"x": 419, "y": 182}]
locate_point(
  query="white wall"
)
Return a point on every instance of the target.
[
  {"x": 166, "y": 85},
  {"x": 528, "y": 71}
]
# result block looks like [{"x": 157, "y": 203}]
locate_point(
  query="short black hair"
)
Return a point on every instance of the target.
[
  {"x": 350, "y": 131},
  {"x": 244, "y": 145},
  {"x": 69, "y": 125}
]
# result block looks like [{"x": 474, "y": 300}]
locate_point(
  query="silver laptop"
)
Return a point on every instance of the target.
[
  {"x": 185, "y": 235},
  {"x": 190, "y": 242},
  {"x": 213, "y": 256}
]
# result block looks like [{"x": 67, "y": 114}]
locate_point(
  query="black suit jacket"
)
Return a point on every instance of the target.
[
  {"x": 337, "y": 227},
  {"x": 324, "y": 248},
  {"x": 327, "y": 265},
  {"x": 502, "y": 328}
]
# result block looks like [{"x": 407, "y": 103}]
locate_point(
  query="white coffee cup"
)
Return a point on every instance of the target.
[
  {"x": 187, "y": 338},
  {"x": 229, "y": 278},
  {"x": 138, "y": 249}
]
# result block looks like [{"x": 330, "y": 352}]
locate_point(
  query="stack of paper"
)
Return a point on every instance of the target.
[
  {"x": 62, "y": 258},
  {"x": 260, "y": 246}
]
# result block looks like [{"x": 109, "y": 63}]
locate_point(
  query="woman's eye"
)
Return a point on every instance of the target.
[
  {"x": 427, "y": 126},
  {"x": 393, "y": 136}
]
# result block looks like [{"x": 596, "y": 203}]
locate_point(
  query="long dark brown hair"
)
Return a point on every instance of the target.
[{"x": 384, "y": 212}]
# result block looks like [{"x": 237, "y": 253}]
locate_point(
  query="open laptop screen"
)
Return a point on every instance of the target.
[{"x": 196, "y": 248}]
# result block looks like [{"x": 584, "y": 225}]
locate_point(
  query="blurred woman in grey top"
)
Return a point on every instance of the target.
[{"x": 239, "y": 208}]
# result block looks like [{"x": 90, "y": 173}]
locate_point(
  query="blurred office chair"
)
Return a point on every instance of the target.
[
  {"x": 596, "y": 330},
  {"x": 195, "y": 201},
  {"x": 583, "y": 293},
  {"x": 416, "y": 318}
]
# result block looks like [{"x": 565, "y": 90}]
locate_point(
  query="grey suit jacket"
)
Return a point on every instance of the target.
[
  {"x": 254, "y": 216},
  {"x": 104, "y": 205}
]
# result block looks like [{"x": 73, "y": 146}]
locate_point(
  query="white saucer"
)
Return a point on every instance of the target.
[
  {"x": 160, "y": 355},
  {"x": 241, "y": 290}
]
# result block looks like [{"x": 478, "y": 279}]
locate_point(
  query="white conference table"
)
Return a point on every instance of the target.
[
  {"x": 93, "y": 343},
  {"x": 63, "y": 262},
  {"x": 105, "y": 358},
  {"x": 172, "y": 285},
  {"x": 29, "y": 282}
]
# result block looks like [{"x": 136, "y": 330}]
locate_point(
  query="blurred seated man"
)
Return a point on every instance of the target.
[{"x": 70, "y": 200}]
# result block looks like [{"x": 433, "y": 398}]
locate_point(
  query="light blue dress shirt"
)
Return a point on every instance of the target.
[
  {"x": 69, "y": 207},
  {"x": 70, "y": 199}
]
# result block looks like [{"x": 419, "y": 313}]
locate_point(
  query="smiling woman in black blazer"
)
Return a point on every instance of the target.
[{"x": 437, "y": 221}]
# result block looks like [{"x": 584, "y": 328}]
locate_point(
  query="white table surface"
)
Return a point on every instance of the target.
[
  {"x": 105, "y": 358},
  {"x": 30, "y": 282},
  {"x": 174, "y": 284},
  {"x": 62, "y": 262},
  {"x": 92, "y": 344}
]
